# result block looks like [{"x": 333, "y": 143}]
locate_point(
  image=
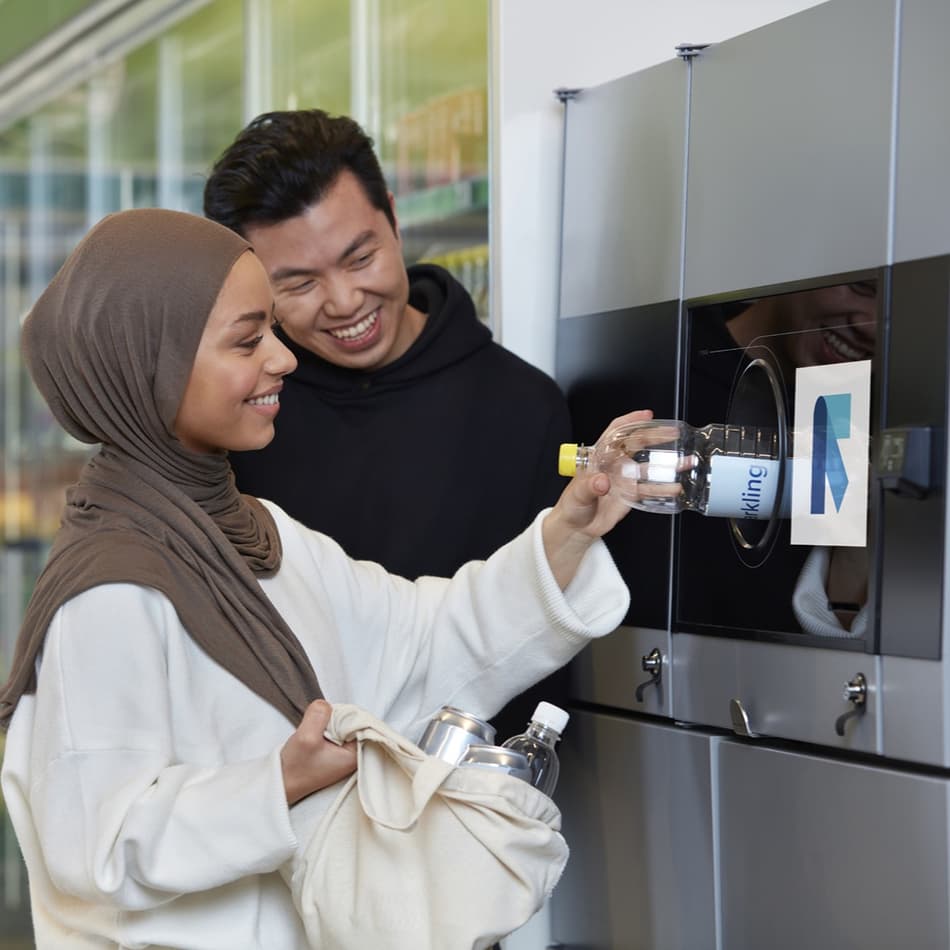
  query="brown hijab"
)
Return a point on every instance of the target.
[{"x": 110, "y": 345}]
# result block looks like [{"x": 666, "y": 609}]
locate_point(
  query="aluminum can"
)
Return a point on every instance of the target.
[
  {"x": 451, "y": 731},
  {"x": 499, "y": 758}
]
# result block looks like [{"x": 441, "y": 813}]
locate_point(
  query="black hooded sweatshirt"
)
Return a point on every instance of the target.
[{"x": 435, "y": 459}]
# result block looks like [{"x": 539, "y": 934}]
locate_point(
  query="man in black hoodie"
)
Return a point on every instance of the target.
[{"x": 406, "y": 433}]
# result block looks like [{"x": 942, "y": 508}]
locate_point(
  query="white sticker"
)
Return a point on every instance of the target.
[
  {"x": 742, "y": 487},
  {"x": 830, "y": 454}
]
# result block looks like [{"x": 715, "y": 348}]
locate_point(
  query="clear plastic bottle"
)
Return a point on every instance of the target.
[
  {"x": 668, "y": 466},
  {"x": 537, "y": 743}
]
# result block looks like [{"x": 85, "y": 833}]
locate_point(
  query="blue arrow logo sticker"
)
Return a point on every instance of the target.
[
  {"x": 830, "y": 452},
  {"x": 831, "y": 422}
]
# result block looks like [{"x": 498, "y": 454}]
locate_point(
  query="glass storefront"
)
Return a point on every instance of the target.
[{"x": 144, "y": 129}]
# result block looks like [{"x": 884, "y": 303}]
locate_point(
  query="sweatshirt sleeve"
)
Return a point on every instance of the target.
[
  {"x": 512, "y": 608},
  {"x": 121, "y": 819},
  {"x": 475, "y": 640}
]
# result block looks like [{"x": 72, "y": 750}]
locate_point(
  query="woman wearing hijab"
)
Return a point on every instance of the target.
[{"x": 172, "y": 679}]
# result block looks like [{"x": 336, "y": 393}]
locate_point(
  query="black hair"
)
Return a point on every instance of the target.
[{"x": 281, "y": 163}]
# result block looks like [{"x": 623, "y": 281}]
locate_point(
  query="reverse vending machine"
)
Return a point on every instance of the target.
[{"x": 756, "y": 233}]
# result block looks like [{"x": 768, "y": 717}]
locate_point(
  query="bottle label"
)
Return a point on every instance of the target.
[{"x": 742, "y": 487}]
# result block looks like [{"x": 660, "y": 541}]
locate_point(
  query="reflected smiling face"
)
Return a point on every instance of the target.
[
  {"x": 232, "y": 396},
  {"x": 813, "y": 327},
  {"x": 839, "y": 324},
  {"x": 340, "y": 280}
]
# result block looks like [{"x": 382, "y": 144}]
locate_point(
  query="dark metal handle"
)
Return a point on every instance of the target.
[
  {"x": 740, "y": 720},
  {"x": 844, "y": 717},
  {"x": 856, "y": 693},
  {"x": 652, "y": 663}
]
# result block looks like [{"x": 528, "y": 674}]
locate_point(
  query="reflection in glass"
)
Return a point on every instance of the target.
[
  {"x": 129, "y": 137},
  {"x": 43, "y": 189},
  {"x": 312, "y": 60},
  {"x": 413, "y": 74},
  {"x": 145, "y": 129},
  {"x": 428, "y": 113},
  {"x": 786, "y": 589}
]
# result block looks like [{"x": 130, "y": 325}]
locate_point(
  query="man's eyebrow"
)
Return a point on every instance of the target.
[
  {"x": 285, "y": 273},
  {"x": 357, "y": 242}
]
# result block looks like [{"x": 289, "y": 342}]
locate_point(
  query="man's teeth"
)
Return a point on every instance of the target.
[
  {"x": 358, "y": 329},
  {"x": 841, "y": 348},
  {"x": 271, "y": 400}
]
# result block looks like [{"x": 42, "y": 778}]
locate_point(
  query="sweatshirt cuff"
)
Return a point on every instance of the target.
[
  {"x": 597, "y": 598},
  {"x": 305, "y": 816},
  {"x": 283, "y": 825}
]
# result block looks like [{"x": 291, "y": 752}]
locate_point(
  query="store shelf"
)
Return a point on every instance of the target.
[{"x": 436, "y": 204}]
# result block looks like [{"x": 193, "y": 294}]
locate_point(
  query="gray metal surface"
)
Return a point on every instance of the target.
[
  {"x": 913, "y": 555},
  {"x": 790, "y": 168},
  {"x": 789, "y": 150},
  {"x": 610, "y": 670},
  {"x": 922, "y": 199},
  {"x": 607, "y": 364},
  {"x": 623, "y": 196},
  {"x": 635, "y": 801},
  {"x": 916, "y": 700},
  {"x": 788, "y": 692},
  {"x": 821, "y": 854}
]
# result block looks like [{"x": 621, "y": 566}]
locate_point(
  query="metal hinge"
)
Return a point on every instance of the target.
[{"x": 689, "y": 50}]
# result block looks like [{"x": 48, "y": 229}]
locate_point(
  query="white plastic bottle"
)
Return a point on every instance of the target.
[
  {"x": 537, "y": 743},
  {"x": 668, "y": 466}
]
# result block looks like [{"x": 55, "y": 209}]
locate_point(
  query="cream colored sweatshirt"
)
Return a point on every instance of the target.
[{"x": 143, "y": 780}]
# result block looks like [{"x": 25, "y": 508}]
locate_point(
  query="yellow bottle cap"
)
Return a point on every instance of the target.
[{"x": 567, "y": 459}]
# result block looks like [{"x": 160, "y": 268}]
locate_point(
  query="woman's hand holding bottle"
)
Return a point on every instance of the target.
[{"x": 585, "y": 512}]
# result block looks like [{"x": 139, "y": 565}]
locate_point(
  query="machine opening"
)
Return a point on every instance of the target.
[{"x": 741, "y": 360}]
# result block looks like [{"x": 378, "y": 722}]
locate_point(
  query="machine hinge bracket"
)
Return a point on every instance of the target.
[
  {"x": 564, "y": 94},
  {"x": 687, "y": 51}
]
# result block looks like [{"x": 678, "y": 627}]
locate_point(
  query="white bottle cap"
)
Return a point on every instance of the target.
[{"x": 547, "y": 714}]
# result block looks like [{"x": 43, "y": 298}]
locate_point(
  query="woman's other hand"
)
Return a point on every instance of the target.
[{"x": 309, "y": 761}]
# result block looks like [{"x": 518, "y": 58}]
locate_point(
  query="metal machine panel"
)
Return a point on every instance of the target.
[
  {"x": 913, "y": 479},
  {"x": 607, "y": 364},
  {"x": 627, "y": 670},
  {"x": 789, "y": 143},
  {"x": 787, "y": 692},
  {"x": 916, "y": 719},
  {"x": 796, "y": 203},
  {"x": 922, "y": 199},
  {"x": 822, "y": 853},
  {"x": 637, "y": 815},
  {"x": 623, "y": 192}
]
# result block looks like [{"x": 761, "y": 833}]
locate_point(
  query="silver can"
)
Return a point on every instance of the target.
[
  {"x": 451, "y": 731},
  {"x": 499, "y": 758}
]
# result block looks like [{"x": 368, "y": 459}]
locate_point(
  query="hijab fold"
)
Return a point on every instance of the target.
[{"x": 110, "y": 345}]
